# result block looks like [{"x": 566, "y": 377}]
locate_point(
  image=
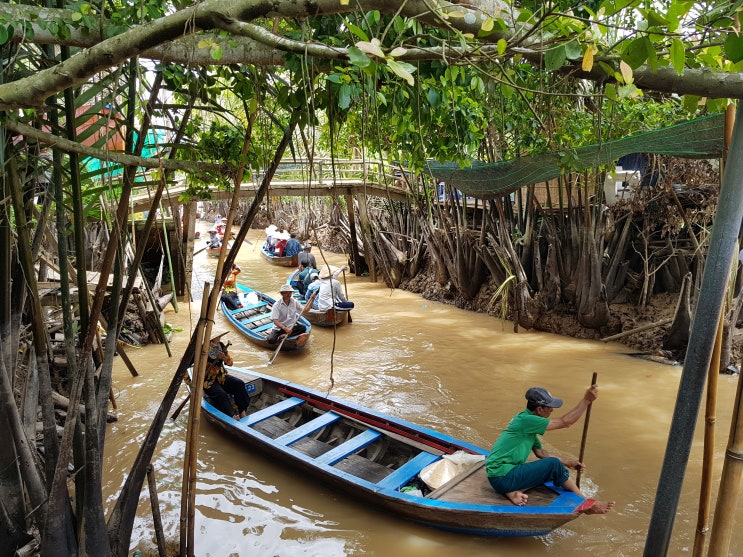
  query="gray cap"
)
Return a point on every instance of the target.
[
  {"x": 539, "y": 396},
  {"x": 308, "y": 245}
]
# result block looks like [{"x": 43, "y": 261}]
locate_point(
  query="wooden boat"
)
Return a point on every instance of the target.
[
  {"x": 379, "y": 459},
  {"x": 254, "y": 319},
  {"x": 284, "y": 261},
  {"x": 333, "y": 317},
  {"x": 214, "y": 252}
]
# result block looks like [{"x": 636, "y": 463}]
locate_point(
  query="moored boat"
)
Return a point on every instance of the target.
[
  {"x": 333, "y": 317},
  {"x": 254, "y": 321},
  {"x": 387, "y": 462},
  {"x": 283, "y": 261}
]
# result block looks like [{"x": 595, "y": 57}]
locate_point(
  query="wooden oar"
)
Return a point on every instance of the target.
[{"x": 585, "y": 431}]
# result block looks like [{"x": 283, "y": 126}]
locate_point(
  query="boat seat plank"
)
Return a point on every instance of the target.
[
  {"x": 262, "y": 327},
  {"x": 273, "y": 427},
  {"x": 255, "y": 318},
  {"x": 363, "y": 468},
  {"x": 407, "y": 471},
  {"x": 273, "y": 410},
  {"x": 311, "y": 447},
  {"x": 306, "y": 429},
  {"x": 354, "y": 444}
]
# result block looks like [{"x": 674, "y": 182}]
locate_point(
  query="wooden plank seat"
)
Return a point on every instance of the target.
[
  {"x": 363, "y": 468},
  {"x": 311, "y": 447},
  {"x": 354, "y": 444},
  {"x": 255, "y": 318},
  {"x": 261, "y": 328},
  {"x": 308, "y": 428},
  {"x": 273, "y": 410},
  {"x": 407, "y": 471},
  {"x": 273, "y": 427}
]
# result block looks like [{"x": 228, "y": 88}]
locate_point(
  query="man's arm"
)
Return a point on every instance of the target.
[
  {"x": 568, "y": 462},
  {"x": 574, "y": 415},
  {"x": 308, "y": 304}
]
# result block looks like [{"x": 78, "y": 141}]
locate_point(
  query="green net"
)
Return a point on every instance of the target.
[{"x": 699, "y": 138}]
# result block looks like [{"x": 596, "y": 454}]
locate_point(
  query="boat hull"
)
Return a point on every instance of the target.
[
  {"x": 287, "y": 261},
  {"x": 377, "y": 459},
  {"x": 333, "y": 317},
  {"x": 254, "y": 321}
]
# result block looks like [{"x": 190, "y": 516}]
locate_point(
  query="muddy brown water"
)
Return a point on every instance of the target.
[{"x": 447, "y": 369}]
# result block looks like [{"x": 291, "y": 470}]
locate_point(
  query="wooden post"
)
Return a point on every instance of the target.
[
  {"x": 189, "y": 458},
  {"x": 189, "y": 230},
  {"x": 365, "y": 235},
  {"x": 354, "y": 240},
  {"x": 125, "y": 359},
  {"x": 155, "y": 504}
]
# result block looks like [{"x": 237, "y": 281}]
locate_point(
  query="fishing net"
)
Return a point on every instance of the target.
[{"x": 699, "y": 138}]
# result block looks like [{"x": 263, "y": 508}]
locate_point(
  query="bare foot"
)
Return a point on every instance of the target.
[
  {"x": 590, "y": 506},
  {"x": 518, "y": 498}
]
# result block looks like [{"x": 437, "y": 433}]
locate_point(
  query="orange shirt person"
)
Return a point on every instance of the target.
[{"x": 230, "y": 281}]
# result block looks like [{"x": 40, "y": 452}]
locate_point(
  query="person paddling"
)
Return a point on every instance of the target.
[{"x": 506, "y": 466}]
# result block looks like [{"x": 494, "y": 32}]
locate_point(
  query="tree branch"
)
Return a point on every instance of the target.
[{"x": 127, "y": 160}]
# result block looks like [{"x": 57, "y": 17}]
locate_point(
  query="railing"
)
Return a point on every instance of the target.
[{"x": 323, "y": 171}]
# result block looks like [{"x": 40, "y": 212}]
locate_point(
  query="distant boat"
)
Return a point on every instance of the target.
[
  {"x": 254, "y": 319},
  {"x": 387, "y": 462},
  {"x": 283, "y": 261},
  {"x": 333, "y": 317},
  {"x": 214, "y": 252}
]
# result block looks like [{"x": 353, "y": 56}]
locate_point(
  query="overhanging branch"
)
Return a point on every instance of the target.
[{"x": 109, "y": 156}]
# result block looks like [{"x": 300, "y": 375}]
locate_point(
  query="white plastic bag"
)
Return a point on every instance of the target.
[{"x": 451, "y": 465}]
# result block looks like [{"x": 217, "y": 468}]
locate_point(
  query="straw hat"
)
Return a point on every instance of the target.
[
  {"x": 326, "y": 272},
  {"x": 286, "y": 288}
]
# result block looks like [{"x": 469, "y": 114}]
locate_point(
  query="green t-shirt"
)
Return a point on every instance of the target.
[{"x": 515, "y": 443}]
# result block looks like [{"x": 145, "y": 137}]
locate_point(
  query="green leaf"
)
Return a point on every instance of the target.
[
  {"x": 357, "y": 31},
  {"x": 76, "y": 16},
  {"x": 216, "y": 52},
  {"x": 358, "y": 58},
  {"x": 734, "y": 47},
  {"x": 334, "y": 78},
  {"x": 678, "y": 55},
  {"x": 372, "y": 47},
  {"x": 573, "y": 50},
  {"x": 4, "y": 35},
  {"x": 402, "y": 69},
  {"x": 502, "y": 45},
  {"x": 554, "y": 58},
  {"x": 344, "y": 96},
  {"x": 434, "y": 98},
  {"x": 381, "y": 99},
  {"x": 691, "y": 102},
  {"x": 636, "y": 52}
]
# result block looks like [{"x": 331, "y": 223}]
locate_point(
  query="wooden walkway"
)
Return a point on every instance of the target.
[{"x": 348, "y": 178}]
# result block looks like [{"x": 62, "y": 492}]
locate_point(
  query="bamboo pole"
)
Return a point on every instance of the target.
[
  {"x": 705, "y": 495},
  {"x": 732, "y": 472},
  {"x": 197, "y": 386}
]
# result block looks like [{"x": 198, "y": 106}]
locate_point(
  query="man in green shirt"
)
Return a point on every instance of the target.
[{"x": 507, "y": 469}]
